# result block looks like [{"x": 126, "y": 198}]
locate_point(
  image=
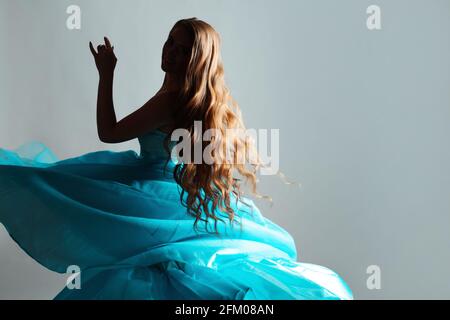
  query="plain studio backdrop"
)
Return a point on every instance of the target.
[{"x": 363, "y": 117}]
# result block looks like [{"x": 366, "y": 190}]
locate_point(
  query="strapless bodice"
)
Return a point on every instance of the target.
[{"x": 152, "y": 145}]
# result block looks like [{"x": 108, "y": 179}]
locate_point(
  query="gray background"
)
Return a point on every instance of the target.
[{"x": 363, "y": 117}]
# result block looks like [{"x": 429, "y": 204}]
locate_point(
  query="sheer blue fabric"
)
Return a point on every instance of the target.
[{"x": 118, "y": 216}]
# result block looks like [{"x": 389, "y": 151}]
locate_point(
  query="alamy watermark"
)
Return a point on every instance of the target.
[
  {"x": 228, "y": 146},
  {"x": 373, "y": 21},
  {"x": 374, "y": 280},
  {"x": 74, "y": 279}
]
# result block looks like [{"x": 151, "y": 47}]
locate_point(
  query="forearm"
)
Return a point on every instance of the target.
[{"x": 106, "y": 117}]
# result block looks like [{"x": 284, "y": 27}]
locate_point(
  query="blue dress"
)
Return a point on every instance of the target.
[{"x": 117, "y": 216}]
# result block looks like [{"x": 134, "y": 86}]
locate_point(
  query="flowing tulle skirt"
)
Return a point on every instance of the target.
[{"x": 117, "y": 216}]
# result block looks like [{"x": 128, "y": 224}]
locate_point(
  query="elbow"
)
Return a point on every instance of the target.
[
  {"x": 109, "y": 138},
  {"x": 105, "y": 138}
]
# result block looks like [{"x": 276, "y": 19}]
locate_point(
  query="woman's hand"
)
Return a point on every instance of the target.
[{"x": 105, "y": 59}]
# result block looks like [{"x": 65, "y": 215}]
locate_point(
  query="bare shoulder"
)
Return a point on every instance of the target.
[
  {"x": 159, "y": 111},
  {"x": 162, "y": 103},
  {"x": 169, "y": 101}
]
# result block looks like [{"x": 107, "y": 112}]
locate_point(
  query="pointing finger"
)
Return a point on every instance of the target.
[{"x": 108, "y": 44}]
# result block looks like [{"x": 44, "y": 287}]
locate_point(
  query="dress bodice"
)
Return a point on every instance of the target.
[{"x": 152, "y": 145}]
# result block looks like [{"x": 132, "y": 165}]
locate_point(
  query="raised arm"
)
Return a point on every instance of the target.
[
  {"x": 106, "y": 117},
  {"x": 153, "y": 114}
]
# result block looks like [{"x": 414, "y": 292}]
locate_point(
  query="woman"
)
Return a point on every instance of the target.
[{"x": 131, "y": 222}]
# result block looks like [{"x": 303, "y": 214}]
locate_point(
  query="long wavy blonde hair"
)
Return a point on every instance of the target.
[{"x": 205, "y": 97}]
